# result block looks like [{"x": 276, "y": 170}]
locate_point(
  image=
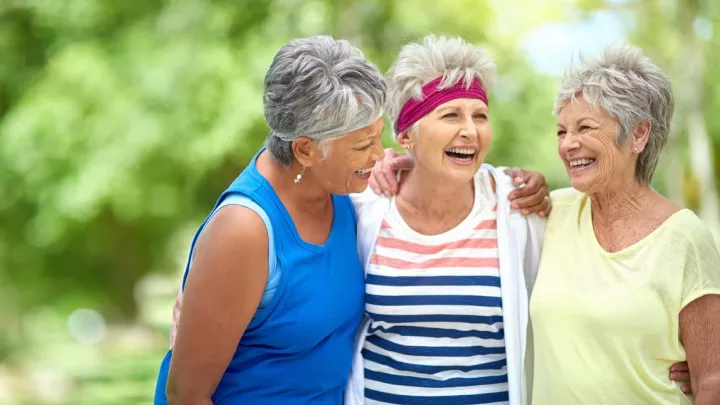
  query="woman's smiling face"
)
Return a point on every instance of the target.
[
  {"x": 451, "y": 141},
  {"x": 588, "y": 147}
]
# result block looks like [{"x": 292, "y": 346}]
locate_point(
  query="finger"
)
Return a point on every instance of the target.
[
  {"x": 403, "y": 162},
  {"x": 390, "y": 153},
  {"x": 686, "y": 389},
  {"x": 520, "y": 192},
  {"x": 681, "y": 366},
  {"x": 680, "y": 376},
  {"x": 390, "y": 171},
  {"x": 534, "y": 202},
  {"x": 516, "y": 174},
  {"x": 535, "y": 209},
  {"x": 534, "y": 181},
  {"x": 390, "y": 179},
  {"x": 378, "y": 175},
  {"x": 530, "y": 186}
]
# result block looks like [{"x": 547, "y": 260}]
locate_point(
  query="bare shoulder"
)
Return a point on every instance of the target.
[
  {"x": 235, "y": 238},
  {"x": 662, "y": 207},
  {"x": 235, "y": 223}
]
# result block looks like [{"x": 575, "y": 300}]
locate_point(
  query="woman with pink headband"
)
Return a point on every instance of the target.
[{"x": 446, "y": 261}]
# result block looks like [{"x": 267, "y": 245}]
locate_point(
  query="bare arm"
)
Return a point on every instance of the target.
[
  {"x": 222, "y": 293},
  {"x": 700, "y": 334}
]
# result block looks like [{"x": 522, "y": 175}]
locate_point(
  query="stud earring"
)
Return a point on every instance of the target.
[{"x": 299, "y": 176}]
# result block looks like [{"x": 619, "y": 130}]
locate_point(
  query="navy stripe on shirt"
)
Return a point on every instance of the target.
[
  {"x": 468, "y": 300},
  {"x": 491, "y": 281},
  {"x": 433, "y": 383},
  {"x": 470, "y": 319},
  {"x": 447, "y": 400}
]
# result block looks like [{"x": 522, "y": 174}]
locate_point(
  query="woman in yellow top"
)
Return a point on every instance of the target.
[{"x": 629, "y": 282}]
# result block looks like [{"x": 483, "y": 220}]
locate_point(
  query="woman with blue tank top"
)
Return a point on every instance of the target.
[{"x": 273, "y": 292}]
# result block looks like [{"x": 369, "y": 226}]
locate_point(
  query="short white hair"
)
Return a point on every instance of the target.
[
  {"x": 321, "y": 88},
  {"x": 421, "y": 62},
  {"x": 631, "y": 88}
]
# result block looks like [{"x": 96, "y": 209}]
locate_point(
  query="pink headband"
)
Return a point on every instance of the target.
[{"x": 414, "y": 109}]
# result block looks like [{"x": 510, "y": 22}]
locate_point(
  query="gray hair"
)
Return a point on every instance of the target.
[
  {"x": 319, "y": 88},
  {"x": 422, "y": 62},
  {"x": 631, "y": 88}
]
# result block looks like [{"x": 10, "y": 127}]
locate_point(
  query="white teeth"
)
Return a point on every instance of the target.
[
  {"x": 463, "y": 151},
  {"x": 581, "y": 162},
  {"x": 363, "y": 171}
]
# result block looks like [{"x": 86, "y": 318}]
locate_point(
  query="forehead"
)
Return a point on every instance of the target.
[
  {"x": 469, "y": 103},
  {"x": 579, "y": 108}
]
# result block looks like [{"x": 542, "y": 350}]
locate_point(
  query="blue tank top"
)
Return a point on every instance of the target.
[{"x": 298, "y": 349}]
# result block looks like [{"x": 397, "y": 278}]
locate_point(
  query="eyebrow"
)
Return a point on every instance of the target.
[
  {"x": 366, "y": 139},
  {"x": 455, "y": 108},
  {"x": 580, "y": 120},
  {"x": 447, "y": 108},
  {"x": 587, "y": 118}
]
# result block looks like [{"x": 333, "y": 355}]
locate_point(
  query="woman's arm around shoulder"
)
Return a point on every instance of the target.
[
  {"x": 700, "y": 314},
  {"x": 221, "y": 295}
]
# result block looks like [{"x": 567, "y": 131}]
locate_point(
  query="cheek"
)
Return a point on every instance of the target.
[
  {"x": 350, "y": 162},
  {"x": 486, "y": 135}
]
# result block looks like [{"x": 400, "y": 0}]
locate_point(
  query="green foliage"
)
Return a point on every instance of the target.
[{"x": 121, "y": 122}]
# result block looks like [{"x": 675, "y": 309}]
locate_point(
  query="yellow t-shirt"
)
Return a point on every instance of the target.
[{"x": 606, "y": 325}]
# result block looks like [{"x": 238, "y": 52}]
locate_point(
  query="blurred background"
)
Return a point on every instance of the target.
[{"x": 122, "y": 121}]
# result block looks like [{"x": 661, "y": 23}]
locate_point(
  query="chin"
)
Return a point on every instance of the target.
[
  {"x": 357, "y": 188},
  {"x": 582, "y": 184},
  {"x": 462, "y": 176}
]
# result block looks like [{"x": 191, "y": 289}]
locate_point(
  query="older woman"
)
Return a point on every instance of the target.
[
  {"x": 629, "y": 282},
  {"x": 257, "y": 326},
  {"x": 446, "y": 262}
]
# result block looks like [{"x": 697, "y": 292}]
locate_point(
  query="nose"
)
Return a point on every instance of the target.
[
  {"x": 469, "y": 130},
  {"x": 378, "y": 153},
  {"x": 568, "y": 143}
]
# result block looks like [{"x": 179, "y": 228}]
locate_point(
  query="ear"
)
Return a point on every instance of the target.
[
  {"x": 641, "y": 134},
  {"x": 305, "y": 151},
  {"x": 403, "y": 139}
]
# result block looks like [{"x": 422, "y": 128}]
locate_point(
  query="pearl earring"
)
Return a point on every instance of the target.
[{"x": 299, "y": 176}]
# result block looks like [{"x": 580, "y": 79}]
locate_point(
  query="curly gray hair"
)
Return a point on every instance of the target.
[
  {"x": 632, "y": 89},
  {"x": 320, "y": 88},
  {"x": 421, "y": 62}
]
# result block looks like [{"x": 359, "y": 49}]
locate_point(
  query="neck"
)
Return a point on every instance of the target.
[
  {"x": 433, "y": 197},
  {"x": 307, "y": 195},
  {"x": 608, "y": 207}
]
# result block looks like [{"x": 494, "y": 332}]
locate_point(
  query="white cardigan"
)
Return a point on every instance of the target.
[{"x": 519, "y": 245}]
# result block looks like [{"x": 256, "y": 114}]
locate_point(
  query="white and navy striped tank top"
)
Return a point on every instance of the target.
[{"x": 436, "y": 334}]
